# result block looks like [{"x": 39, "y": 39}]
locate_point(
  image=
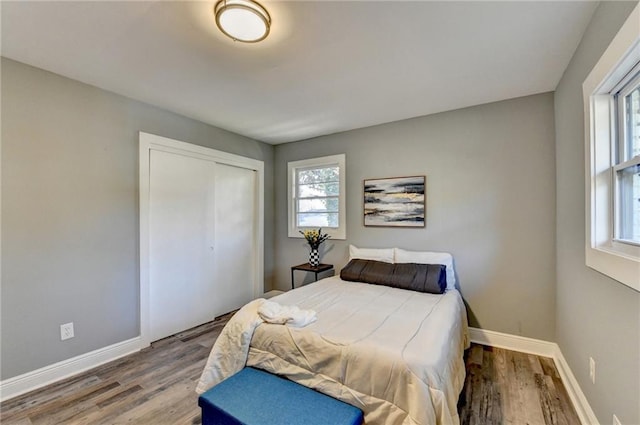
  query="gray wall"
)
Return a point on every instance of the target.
[
  {"x": 70, "y": 212},
  {"x": 596, "y": 316},
  {"x": 490, "y": 202}
]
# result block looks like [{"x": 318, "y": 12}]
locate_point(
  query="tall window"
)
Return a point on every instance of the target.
[
  {"x": 612, "y": 128},
  {"x": 316, "y": 196},
  {"x": 627, "y": 166}
]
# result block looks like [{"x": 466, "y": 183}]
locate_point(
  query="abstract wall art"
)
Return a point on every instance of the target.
[{"x": 395, "y": 202}]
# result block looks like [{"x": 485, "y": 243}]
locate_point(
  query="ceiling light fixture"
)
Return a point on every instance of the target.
[{"x": 242, "y": 20}]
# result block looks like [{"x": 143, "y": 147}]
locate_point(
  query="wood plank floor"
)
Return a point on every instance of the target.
[
  {"x": 156, "y": 386},
  {"x": 508, "y": 387}
]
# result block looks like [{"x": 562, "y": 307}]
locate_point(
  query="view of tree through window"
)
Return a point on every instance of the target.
[{"x": 317, "y": 197}]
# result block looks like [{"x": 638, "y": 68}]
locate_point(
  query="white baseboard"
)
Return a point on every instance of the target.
[
  {"x": 585, "y": 413},
  {"x": 513, "y": 342},
  {"x": 545, "y": 349},
  {"x": 272, "y": 293},
  {"x": 30, "y": 381}
]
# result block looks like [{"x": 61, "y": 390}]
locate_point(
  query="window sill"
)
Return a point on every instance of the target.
[
  {"x": 621, "y": 267},
  {"x": 627, "y": 242}
]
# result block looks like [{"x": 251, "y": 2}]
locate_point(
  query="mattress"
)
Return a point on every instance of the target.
[{"x": 395, "y": 354}]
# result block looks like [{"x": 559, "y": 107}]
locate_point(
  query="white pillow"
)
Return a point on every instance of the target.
[
  {"x": 377, "y": 254},
  {"x": 427, "y": 257}
]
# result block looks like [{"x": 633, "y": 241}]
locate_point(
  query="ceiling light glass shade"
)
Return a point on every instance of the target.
[{"x": 242, "y": 20}]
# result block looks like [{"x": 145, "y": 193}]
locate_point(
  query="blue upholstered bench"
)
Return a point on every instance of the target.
[{"x": 256, "y": 397}]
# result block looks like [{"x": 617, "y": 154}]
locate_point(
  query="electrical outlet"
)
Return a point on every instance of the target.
[
  {"x": 592, "y": 369},
  {"x": 66, "y": 331},
  {"x": 616, "y": 421}
]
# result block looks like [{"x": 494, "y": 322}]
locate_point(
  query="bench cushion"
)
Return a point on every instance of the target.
[{"x": 253, "y": 396}]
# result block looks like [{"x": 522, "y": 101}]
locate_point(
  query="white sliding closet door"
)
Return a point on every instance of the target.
[
  {"x": 235, "y": 235},
  {"x": 202, "y": 244},
  {"x": 181, "y": 262}
]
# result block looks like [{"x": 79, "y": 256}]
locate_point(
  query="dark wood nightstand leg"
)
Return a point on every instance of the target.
[{"x": 292, "y": 285}]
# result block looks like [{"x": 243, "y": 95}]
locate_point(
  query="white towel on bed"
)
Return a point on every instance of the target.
[
  {"x": 229, "y": 353},
  {"x": 272, "y": 312}
]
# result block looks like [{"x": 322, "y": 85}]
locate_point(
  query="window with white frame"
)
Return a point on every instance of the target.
[
  {"x": 612, "y": 156},
  {"x": 316, "y": 190},
  {"x": 627, "y": 160}
]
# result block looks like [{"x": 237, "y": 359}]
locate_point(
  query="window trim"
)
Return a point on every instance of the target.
[
  {"x": 292, "y": 166},
  {"x": 618, "y": 260}
]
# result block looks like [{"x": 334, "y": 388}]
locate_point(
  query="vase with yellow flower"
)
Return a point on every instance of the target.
[{"x": 314, "y": 239}]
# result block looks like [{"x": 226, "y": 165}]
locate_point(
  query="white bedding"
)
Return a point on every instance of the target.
[
  {"x": 395, "y": 354},
  {"x": 231, "y": 349}
]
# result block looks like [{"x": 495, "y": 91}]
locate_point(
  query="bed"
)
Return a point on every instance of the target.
[{"x": 396, "y": 354}]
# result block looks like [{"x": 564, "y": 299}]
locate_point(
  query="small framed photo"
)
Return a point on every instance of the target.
[{"x": 395, "y": 202}]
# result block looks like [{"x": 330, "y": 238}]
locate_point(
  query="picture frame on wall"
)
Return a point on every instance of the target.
[{"x": 395, "y": 202}]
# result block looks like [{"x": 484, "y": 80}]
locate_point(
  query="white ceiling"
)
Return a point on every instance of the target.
[{"x": 326, "y": 66}]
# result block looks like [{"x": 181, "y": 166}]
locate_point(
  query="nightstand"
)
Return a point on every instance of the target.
[{"x": 306, "y": 267}]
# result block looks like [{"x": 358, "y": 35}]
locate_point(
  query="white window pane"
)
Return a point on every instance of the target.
[
  {"x": 318, "y": 205},
  {"x": 318, "y": 175},
  {"x": 318, "y": 189},
  {"x": 318, "y": 220},
  {"x": 632, "y": 104},
  {"x": 629, "y": 183}
]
